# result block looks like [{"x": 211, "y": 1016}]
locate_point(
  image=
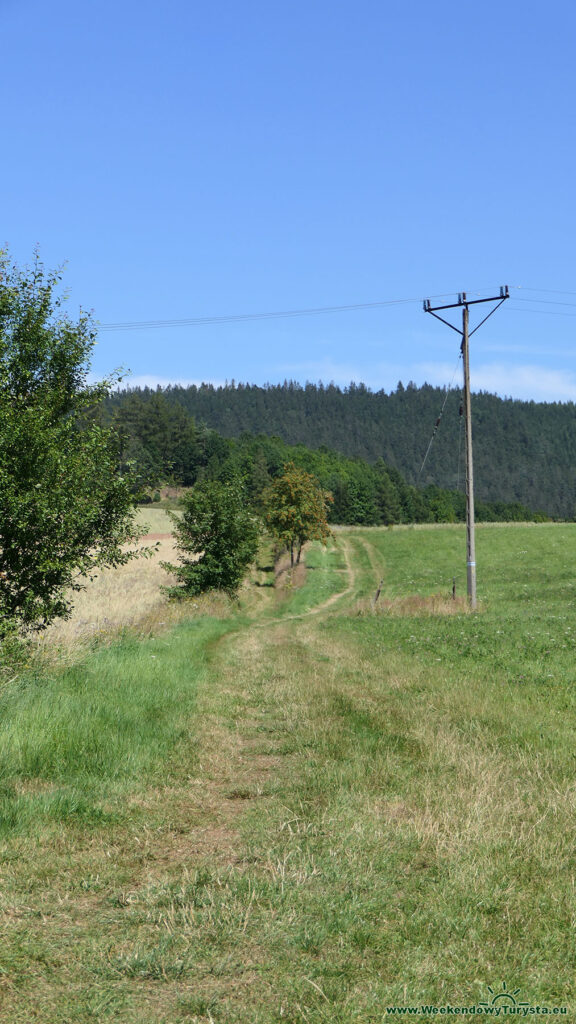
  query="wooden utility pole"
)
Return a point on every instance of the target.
[
  {"x": 470, "y": 533},
  {"x": 466, "y": 334}
]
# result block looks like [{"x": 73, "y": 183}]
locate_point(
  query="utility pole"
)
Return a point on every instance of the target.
[
  {"x": 466, "y": 334},
  {"x": 470, "y": 530}
]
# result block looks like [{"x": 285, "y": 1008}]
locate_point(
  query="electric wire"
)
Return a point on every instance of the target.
[
  {"x": 231, "y": 318},
  {"x": 437, "y": 424},
  {"x": 547, "y": 302},
  {"x": 202, "y": 321},
  {"x": 547, "y": 291},
  {"x": 546, "y": 312}
]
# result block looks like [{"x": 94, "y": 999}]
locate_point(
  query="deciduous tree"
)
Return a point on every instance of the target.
[
  {"x": 64, "y": 510},
  {"x": 217, "y": 539},
  {"x": 296, "y": 509}
]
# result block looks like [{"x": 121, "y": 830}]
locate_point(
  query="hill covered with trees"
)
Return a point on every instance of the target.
[
  {"x": 523, "y": 451},
  {"x": 161, "y": 441}
]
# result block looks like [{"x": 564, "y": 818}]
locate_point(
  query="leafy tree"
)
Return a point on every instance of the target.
[
  {"x": 64, "y": 510},
  {"x": 296, "y": 509},
  {"x": 217, "y": 539}
]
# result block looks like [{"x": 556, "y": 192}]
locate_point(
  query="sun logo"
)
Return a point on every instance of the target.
[{"x": 503, "y": 997}]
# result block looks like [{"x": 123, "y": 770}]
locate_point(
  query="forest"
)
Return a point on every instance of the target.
[
  {"x": 162, "y": 441},
  {"x": 523, "y": 451}
]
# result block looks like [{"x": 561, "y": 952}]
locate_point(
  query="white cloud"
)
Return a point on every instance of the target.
[
  {"x": 528, "y": 382},
  {"x": 524, "y": 381}
]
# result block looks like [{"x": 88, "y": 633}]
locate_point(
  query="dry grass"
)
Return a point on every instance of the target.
[
  {"x": 154, "y": 520},
  {"x": 415, "y": 604},
  {"x": 127, "y": 596},
  {"x": 288, "y": 577},
  {"x": 116, "y": 599}
]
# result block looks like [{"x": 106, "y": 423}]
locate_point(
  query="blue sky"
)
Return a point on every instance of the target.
[{"x": 193, "y": 161}]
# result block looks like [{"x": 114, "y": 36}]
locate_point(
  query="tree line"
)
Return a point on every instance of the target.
[
  {"x": 523, "y": 451},
  {"x": 160, "y": 441}
]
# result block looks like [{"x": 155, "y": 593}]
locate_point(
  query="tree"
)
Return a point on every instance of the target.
[
  {"x": 64, "y": 510},
  {"x": 158, "y": 437},
  {"x": 296, "y": 509},
  {"x": 217, "y": 539}
]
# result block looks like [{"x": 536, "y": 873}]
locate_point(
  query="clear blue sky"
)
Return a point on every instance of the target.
[{"x": 196, "y": 160}]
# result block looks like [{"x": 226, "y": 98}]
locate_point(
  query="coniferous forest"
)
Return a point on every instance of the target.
[
  {"x": 523, "y": 451},
  {"x": 370, "y": 450}
]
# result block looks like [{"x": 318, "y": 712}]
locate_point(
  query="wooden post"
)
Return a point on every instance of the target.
[{"x": 470, "y": 537}]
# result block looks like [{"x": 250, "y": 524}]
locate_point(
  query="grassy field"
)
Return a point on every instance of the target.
[
  {"x": 129, "y": 596},
  {"x": 305, "y": 807}
]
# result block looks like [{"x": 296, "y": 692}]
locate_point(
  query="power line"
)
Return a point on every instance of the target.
[
  {"x": 231, "y": 318},
  {"x": 547, "y": 291},
  {"x": 203, "y": 321},
  {"x": 463, "y": 303},
  {"x": 547, "y": 302},
  {"x": 545, "y": 312},
  {"x": 448, "y": 391}
]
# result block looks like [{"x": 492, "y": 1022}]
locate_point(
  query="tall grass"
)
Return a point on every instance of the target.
[
  {"x": 126, "y": 596},
  {"x": 74, "y": 741}
]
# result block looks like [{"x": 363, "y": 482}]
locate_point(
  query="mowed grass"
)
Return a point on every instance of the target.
[
  {"x": 473, "y": 717},
  {"x": 310, "y": 810},
  {"x": 327, "y": 577}
]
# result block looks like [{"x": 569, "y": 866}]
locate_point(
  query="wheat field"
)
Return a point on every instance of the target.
[{"x": 126, "y": 596}]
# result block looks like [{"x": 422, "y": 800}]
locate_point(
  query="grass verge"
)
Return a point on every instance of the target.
[{"x": 74, "y": 742}]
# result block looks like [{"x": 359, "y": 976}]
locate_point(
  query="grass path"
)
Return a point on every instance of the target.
[
  {"x": 79, "y": 946},
  {"x": 343, "y": 816},
  {"x": 346, "y": 574}
]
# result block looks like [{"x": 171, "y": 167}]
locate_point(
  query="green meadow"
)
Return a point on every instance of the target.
[{"x": 308, "y": 806}]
